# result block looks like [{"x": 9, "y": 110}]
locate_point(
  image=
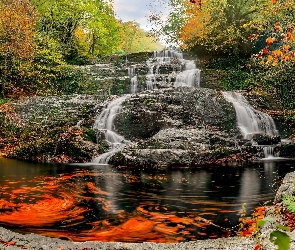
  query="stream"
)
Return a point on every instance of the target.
[{"x": 99, "y": 202}]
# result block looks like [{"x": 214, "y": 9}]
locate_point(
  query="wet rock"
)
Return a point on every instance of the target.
[{"x": 178, "y": 127}]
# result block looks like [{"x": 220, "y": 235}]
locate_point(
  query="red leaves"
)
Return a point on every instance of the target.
[
  {"x": 199, "y": 2},
  {"x": 258, "y": 247},
  {"x": 265, "y": 51}
]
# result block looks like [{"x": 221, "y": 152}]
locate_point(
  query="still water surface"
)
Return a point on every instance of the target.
[{"x": 102, "y": 203}]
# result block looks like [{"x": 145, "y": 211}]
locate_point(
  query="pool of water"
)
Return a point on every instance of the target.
[{"x": 81, "y": 202}]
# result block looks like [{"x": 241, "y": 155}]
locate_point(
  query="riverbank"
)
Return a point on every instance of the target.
[{"x": 13, "y": 241}]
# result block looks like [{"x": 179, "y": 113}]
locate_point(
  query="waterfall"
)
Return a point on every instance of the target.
[
  {"x": 189, "y": 77},
  {"x": 105, "y": 122},
  {"x": 134, "y": 82},
  {"x": 251, "y": 121}
]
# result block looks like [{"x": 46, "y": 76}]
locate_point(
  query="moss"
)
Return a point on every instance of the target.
[{"x": 89, "y": 135}]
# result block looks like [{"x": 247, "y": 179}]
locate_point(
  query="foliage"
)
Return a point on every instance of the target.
[
  {"x": 274, "y": 64},
  {"x": 17, "y": 30},
  {"x": 134, "y": 39},
  {"x": 169, "y": 28},
  {"x": 218, "y": 26},
  {"x": 81, "y": 28},
  {"x": 248, "y": 226},
  {"x": 289, "y": 202},
  {"x": 281, "y": 239}
]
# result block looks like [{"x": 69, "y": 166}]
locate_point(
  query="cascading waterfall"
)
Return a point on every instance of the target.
[
  {"x": 134, "y": 82},
  {"x": 105, "y": 122},
  {"x": 190, "y": 77},
  {"x": 251, "y": 121}
]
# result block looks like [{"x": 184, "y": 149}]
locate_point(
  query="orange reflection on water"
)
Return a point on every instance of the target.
[{"x": 52, "y": 205}]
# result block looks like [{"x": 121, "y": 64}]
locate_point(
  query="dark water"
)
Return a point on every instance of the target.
[{"x": 102, "y": 203}]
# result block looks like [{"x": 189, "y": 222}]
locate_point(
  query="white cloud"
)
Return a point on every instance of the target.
[{"x": 138, "y": 10}]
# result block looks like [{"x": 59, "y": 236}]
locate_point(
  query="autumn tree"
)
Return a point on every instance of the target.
[
  {"x": 134, "y": 39},
  {"x": 220, "y": 26},
  {"x": 17, "y": 30}
]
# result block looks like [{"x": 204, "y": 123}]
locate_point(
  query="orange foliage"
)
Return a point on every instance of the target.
[
  {"x": 196, "y": 24},
  {"x": 17, "y": 28},
  {"x": 284, "y": 53},
  {"x": 249, "y": 225}
]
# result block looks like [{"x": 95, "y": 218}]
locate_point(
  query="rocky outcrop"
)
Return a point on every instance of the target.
[
  {"x": 51, "y": 129},
  {"x": 179, "y": 127}
]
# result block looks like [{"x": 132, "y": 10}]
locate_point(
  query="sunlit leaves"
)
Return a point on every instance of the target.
[
  {"x": 278, "y": 47},
  {"x": 134, "y": 39},
  {"x": 17, "y": 28},
  {"x": 250, "y": 225},
  {"x": 221, "y": 27}
]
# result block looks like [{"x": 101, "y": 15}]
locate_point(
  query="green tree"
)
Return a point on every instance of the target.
[
  {"x": 82, "y": 28},
  {"x": 134, "y": 39}
]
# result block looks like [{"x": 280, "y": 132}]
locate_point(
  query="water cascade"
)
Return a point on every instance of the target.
[
  {"x": 172, "y": 61},
  {"x": 134, "y": 82},
  {"x": 105, "y": 122},
  {"x": 190, "y": 77},
  {"x": 252, "y": 122}
]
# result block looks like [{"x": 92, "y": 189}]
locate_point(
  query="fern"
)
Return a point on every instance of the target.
[{"x": 289, "y": 202}]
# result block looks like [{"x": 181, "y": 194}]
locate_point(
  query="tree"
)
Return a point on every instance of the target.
[
  {"x": 17, "y": 30},
  {"x": 134, "y": 39},
  {"x": 82, "y": 28},
  {"x": 221, "y": 26}
]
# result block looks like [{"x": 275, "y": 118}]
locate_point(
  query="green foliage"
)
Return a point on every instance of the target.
[
  {"x": 235, "y": 79},
  {"x": 261, "y": 223},
  {"x": 289, "y": 202},
  {"x": 149, "y": 101},
  {"x": 277, "y": 81},
  {"x": 83, "y": 29},
  {"x": 281, "y": 239},
  {"x": 89, "y": 135},
  {"x": 134, "y": 39},
  {"x": 6, "y": 100}
]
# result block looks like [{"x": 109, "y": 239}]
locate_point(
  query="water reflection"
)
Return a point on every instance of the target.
[{"x": 102, "y": 203}]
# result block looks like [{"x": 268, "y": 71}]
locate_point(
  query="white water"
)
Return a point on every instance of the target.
[
  {"x": 251, "y": 121},
  {"x": 189, "y": 77},
  {"x": 134, "y": 82},
  {"x": 105, "y": 122}
]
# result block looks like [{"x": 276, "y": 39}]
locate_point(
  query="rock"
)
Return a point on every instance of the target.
[
  {"x": 287, "y": 187},
  {"x": 178, "y": 127},
  {"x": 52, "y": 129}
]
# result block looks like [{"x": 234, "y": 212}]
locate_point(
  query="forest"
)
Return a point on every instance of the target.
[
  {"x": 245, "y": 45},
  {"x": 42, "y": 41}
]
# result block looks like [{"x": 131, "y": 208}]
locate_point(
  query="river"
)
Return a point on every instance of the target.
[{"x": 99, "y": 202}]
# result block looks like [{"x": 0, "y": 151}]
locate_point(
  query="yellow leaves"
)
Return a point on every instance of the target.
[
  {"x": 286, "y": 47},
  {"x": 277, "y": 53},
  {"x": 269, "y": 41},
  {"x": 17, "y": 28}
]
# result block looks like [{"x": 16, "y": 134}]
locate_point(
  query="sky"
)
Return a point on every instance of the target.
[{"x": 138, "y": 10}]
